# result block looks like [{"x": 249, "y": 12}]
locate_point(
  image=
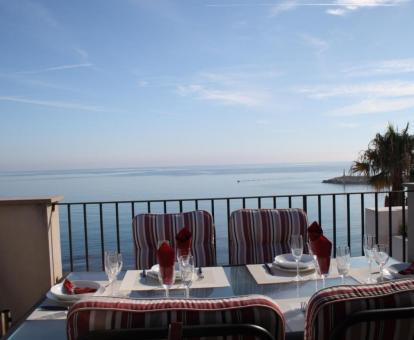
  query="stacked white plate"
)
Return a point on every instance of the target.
[
  {"x": 59, "y": 294},
  {"x": 287, "y": 262},
  {"x": 153, "y": 272}
]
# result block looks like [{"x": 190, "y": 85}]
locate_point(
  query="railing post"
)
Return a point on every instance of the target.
[{"x": 410, "y": 221}]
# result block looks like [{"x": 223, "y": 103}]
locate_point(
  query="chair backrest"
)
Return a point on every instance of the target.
[
  {"x": 258, "y": 235},
  {"x": 105, "y": 313},
  {"x": 329, "y": 308},
  {"x": 148, "y": 229}
]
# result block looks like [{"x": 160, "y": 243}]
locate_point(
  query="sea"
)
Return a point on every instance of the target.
[{"x": 184, "y": 182}]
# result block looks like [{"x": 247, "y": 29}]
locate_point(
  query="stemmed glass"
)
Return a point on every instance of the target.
[
  {"x": 166, "y": 274},
  {"x": 320, "y": 270},
  {"x": 343, "y": 261},
  {"x": 380, "y": 252},
  {"x": 369, "y": 242},
  {"x": 186, "y": 264},
  {"x": 296, "y": 247},
  {"x": 113, "y": 265}
]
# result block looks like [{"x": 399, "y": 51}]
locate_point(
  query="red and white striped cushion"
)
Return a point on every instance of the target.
[
  {"x": 114, "y": 313},
  {"x": 148, "y": 229},
  {"x": 329, "y": 307},
  {"x": 257, "y": 235}
]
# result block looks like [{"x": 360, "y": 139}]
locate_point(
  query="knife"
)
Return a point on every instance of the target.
[{"x": 268, "y": 269}]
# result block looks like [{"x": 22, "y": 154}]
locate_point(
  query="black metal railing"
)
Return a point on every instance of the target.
[{"x": 89, "y": 228}]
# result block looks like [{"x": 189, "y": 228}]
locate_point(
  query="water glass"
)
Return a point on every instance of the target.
[
  {"x": 369, "y": 243},
  {"x": 186, "y": 264},
  {"x": 113, "y": 265},
  {"x": 343, "y": 261},
  {"x": 381, "y": 256},
  {"x": 296, "y": 247}
]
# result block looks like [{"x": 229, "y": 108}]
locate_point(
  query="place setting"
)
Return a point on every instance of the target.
[
  {"x": 69, "y": 291},
  {"x": 176, "y": 269}
]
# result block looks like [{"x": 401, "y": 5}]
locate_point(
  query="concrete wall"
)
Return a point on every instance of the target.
[
  {"x": 383, "y": 222},
  {"x": 30, "y": 255}
]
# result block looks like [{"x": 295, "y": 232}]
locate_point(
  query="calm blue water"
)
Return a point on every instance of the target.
[{"x": 177, "y": 183}]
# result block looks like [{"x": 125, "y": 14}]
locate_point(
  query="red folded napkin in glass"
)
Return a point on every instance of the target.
[
  {"x": 166, "y": 259},
  {"x": 314, "y": 231},
  {"x": 183, "y": 241},
  {"x": 407, "y": 271},
  {"x": 320, "y": 246},
  {"x": 71, "y": 289}
]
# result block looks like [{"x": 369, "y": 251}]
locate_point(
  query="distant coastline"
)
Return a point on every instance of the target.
[{"x": 347, "y": 180}]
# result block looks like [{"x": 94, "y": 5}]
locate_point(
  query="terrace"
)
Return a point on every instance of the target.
[{"x": 45, "y": 239}]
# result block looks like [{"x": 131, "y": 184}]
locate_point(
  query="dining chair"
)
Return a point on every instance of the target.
[
  {"x": 258, "y": 235},
  {"x": 105, "y": 315},
  {"x": 148, "y": 229},
  {"x": 379, "y": 311}
]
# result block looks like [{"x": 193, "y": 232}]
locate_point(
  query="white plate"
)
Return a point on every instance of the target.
[
  {"x": 395, "y": 268},
  {"x": 60, "y": 294},
  {"x": 153, "y": 272},
  {"x": 288, "y": 261},
  {"x": 292, "y": 270},
  {"x": 50, "y": 296}
]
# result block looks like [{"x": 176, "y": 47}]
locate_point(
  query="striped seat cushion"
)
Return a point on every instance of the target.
[
  {"x": 257, "y": 235},
  {"x": 114, "y": 313},
  {"x": 329, "y": 307},
  {"x": 148, "y": 229}
]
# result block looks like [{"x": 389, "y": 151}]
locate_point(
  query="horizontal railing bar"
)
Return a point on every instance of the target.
[{"x": 231, "y": 198}]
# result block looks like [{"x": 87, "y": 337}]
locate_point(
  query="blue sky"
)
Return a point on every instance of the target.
[{"x": 87, "y": 84}]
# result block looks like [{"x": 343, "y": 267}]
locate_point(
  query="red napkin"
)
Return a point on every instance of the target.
[
  {"x": 183, "y": 241},
  {"x": 166, "y": 259},
  {"x": 314, "y": 231},
  {"x": 320, "y": 246},
  {"x": 408, "y": 271},
  {"x": 71, "y": 289}
]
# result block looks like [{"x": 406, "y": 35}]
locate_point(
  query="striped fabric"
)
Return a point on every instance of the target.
[
  {"x": 148, "y": 229},
  {"x": 329, "y": 307},
  {"x": 257, "y": 235},
  {"x": 106, "y": 313}
]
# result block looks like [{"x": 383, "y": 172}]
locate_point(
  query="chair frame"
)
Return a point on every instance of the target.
[
  {"x": 193, "y": 331},
  {"x": 371, "y": 315}
]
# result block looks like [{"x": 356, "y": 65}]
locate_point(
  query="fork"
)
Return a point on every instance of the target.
[{"x": 200, "y": 273}]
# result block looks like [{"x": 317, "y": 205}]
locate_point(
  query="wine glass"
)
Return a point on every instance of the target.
[
  {"x": 186, "y": 264},
  {"x": 369, "y": 242},
  {"x": 113, "y": 265},
  {"x": 343, "y": 261},
  {"x": 381, "y": 256},
  {"x": 166, "y": 274},
  {"x": 296, "y": 247}
]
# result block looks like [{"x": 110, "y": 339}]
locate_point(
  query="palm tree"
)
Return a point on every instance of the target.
[{"x": 388, "y": 162}]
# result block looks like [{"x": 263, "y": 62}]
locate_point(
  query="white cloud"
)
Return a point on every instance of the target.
[
  {"x": 373, "y": 106},
  {"x": 373, "y": 89},
  {"x": 283, "y": 7},
  {"x": 226, "y": 97},
  {"x": 55, "y": 104},
  {"x": 343, "y": 7},
  {"x": 381, "y": 68},
  {"x": 82, "y": 53},
  {"x": 57, "y": 68},
  {"x": 337, "y": 11}
]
